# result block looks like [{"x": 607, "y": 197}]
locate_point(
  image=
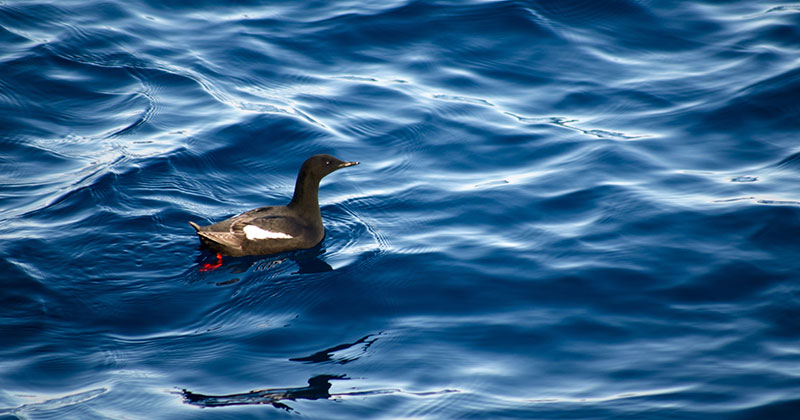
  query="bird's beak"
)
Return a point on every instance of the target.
[{"x": 346, "y": 164}]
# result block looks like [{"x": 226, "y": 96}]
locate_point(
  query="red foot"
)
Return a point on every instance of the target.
[{"x": 216, "y": 265}]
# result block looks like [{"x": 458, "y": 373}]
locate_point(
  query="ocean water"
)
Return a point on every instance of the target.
[{"x": 564, "y": 209}]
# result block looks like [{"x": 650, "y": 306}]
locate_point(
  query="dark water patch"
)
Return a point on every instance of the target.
[
  {"x": 585, "y": 12},
  {"x": 54, "y": 97},
  {"x": 784, "y": 34},
  {"x": 764, "y": 102},
  {"x": 790, "y": 161},
  {"x": 727, "y": 283},
  {"x": 783, "y": 409},
  {"x": 778, "y": 226}
]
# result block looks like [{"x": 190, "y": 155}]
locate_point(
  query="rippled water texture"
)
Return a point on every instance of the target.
[{"x": 565, "y": 209}]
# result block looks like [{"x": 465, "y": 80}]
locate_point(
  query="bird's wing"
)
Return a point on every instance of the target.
[
  {"x": 227, "y": 239},
  {"x": 269, "y": 227}
]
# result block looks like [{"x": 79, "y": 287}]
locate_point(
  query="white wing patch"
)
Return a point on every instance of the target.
[{"x": 255, "y": 232}]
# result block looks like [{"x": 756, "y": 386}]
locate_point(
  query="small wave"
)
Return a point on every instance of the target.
[
  {"x": 761, "y": 200},
  {"x": 777, "y": 202},
  {"x": 789, "y": 8},
  {"x": 457, "y": 98},
  {"x": 568, "y": 123},
  {"x": 361, "y": 242},
  {"x": 744, "y": 178},
  {"x": 56, "y": 403},
  {"x": 790, "y": 161}
]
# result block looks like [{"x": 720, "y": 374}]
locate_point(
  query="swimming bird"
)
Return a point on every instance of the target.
[{"x": 274, "y": 229}]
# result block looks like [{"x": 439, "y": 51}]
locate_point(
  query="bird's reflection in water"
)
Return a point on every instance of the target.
[
  {"x": 318, "y": 389},
  {"x": 342, "y": 354},
  {"x": 318, "y": 386},
  {"x": 308, "y": 261}
]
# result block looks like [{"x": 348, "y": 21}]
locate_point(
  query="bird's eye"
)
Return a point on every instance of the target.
[{"x": 328, "y": 162}]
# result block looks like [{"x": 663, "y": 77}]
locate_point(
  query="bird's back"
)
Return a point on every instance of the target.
[{"x": 265, "y": 230}]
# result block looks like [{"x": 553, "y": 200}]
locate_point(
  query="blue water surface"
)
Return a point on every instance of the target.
[{"x": 565, "y": 209}]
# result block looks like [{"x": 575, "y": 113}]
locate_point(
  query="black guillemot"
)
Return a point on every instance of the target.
[{"x": 274, "y": 229}]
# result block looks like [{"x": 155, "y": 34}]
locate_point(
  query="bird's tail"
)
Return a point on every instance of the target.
[{"x": 195, "y": 226}]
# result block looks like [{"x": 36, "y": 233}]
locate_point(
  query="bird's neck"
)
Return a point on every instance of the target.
[{"x": 306, "y": 198}]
